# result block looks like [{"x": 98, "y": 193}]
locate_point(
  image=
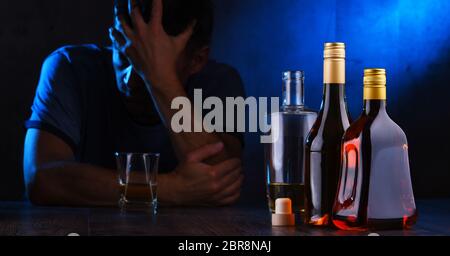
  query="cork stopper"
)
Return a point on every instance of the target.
[{"x": 283, "y": 213}]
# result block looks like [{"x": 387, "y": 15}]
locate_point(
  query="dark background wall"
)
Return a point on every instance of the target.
[{"x": 411, "y": 38}]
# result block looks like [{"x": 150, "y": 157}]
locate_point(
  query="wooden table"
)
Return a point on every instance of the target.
[{"x": 21, "y": 218}]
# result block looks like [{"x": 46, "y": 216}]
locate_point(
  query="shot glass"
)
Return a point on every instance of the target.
[{"x": 138, "y": 181}]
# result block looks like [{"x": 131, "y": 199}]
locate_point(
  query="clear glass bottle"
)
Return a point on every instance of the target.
[
  {"x": 284, "y": 158},
  {"x": 375, "y": 190}
]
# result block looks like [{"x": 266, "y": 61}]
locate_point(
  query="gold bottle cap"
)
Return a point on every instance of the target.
[
  {"x": 334, "y": 50},
  {"x": 334, "y": 63},
  {"x": 375, "y": 84}
]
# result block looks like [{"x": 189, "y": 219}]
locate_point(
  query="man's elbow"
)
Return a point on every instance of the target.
[{"x": 35, "y": 188}]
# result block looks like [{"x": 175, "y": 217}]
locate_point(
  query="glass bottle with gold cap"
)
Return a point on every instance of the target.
[
  {"x": 375, "y": 190},
  {"x": 323, "y": 145}
]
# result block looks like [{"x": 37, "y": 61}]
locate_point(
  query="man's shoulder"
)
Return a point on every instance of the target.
[
  {"x": 215, "y": 73},
  {"x": 218, "y": 79},
  {"x": 75, "y": 67},
  {"x": 81, "y": 55}
]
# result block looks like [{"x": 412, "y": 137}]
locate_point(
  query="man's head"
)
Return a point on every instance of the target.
[{"x": 178, "y": 15}]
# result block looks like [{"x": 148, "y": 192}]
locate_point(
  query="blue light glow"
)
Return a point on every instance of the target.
[
  {"x": 410, "y": 38},
  {"x": 263, "y": 38}
]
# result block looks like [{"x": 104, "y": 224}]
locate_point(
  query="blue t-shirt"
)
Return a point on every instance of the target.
[{"x": 77, "y": 99}]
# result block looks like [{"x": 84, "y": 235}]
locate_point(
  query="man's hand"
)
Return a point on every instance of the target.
[
  {"x": 152, "y": 52},
  {"x": 197, "y": 183},
  {"x": 155, "y": 55}
]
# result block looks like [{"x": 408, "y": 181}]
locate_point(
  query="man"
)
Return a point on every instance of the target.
[{"x": 92, "y": 102}]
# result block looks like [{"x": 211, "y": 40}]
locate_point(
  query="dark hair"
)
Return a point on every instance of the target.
[{"x": 177, "y": 16}]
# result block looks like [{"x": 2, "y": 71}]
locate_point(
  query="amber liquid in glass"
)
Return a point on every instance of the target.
[
  {"x": 374, "y": 189},
  {"x": 322, "y": 159},
  {"x": 138, "y": 193}
]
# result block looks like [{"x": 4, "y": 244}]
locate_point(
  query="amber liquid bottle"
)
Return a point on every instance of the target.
[
  {"x": 375, "y": 190},
  {"x": 322, "y": 158}
]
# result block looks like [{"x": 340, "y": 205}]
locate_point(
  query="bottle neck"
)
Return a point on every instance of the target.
[
  {"x": 374, "y": 107},
  {"x": 334, "y": 78},
  {"x": 293, "y": 92},
  {"x": 334, "y": 97}
]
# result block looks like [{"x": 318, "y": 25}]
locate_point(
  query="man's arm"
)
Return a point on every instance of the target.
[
  {"x": 52, "y": 177},
  {"x": 154, "y": 54},
  {"x": 186, "y": 142}
]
